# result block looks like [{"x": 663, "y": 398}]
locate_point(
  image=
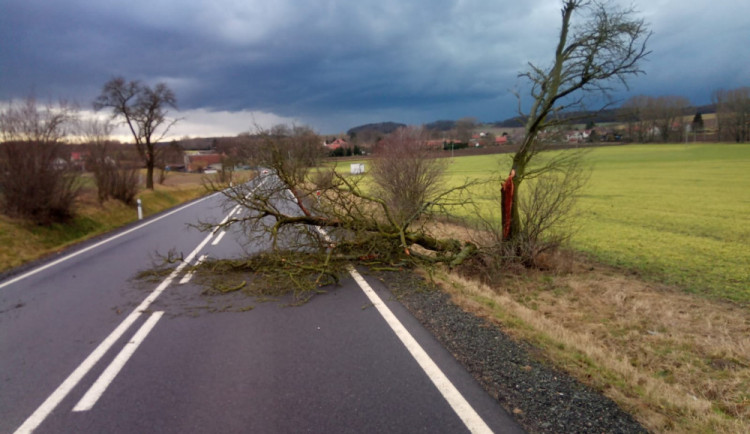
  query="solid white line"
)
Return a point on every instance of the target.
[
  {"x": 69, "y": 383},
  {"x": 52, "y": 401},
  {"x": 324, "y": 233},
  {"x": 62, "y": 391},
  {"x": 224, "y": 220},
  {"x": 93, "y": 246},
  {"x": 458, "y": 403},
  {"x": 218, "y": 239},
  {"x": 189, "y": 275},
  {"x": 291, "y": 195},
  {"x": 105, "y": 379},
  {"x": 463, "y": 409}
]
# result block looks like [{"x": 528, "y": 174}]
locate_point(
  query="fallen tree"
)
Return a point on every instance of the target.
[{"x": 319, "y": 219}]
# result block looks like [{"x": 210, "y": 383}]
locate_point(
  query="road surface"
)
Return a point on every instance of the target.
[{"x": 87, "y": 347}]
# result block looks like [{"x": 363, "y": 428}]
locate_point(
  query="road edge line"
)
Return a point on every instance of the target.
[
  {"x": 54, "y": 399},
  {"x": 100, "y": 243},
  {"x": 458, "y": 403}
]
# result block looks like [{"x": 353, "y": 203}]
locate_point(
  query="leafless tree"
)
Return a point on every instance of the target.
[
  {"x": 637, "y": 112},
  {"x": 465, "y": 128},
  {"x": 733, "y": 112},
  {"x": 655, "y": 118},
  {"x": 668, "y": 116},
  {"x": 115, "y": 175},
  {"x": 318, "y": 218},
  {"x": 406, "y": 175},
  {"x": 144, "y": 111},
  {"x": 37, "y": 181},
  {"x": 606, "y": 46},
  {"x": 290, "y": 152},
  {"x": 168, "y": 154}
]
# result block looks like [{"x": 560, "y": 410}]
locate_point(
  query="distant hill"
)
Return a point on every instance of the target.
[
  {"x": 441, "y": 125},
  {"x": 379, "y": 128},
  {"x": 510, "y": 123},
  {"x": 578, "y": 117},
  {"x": 599, "y": 117}
]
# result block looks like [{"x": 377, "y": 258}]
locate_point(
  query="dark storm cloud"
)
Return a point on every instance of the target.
[{"x": 336, "y": 63}]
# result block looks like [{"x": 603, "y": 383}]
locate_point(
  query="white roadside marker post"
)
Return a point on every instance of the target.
[{"x": 140, "y": 210}]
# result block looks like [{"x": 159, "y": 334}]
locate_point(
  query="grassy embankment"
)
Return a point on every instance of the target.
[
  {"x": 21, "y": 242},
  {"x": 666, "y": 331}
]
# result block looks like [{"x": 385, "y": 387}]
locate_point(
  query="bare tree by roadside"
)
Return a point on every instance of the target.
[
  {"x": 606, "y": 46},
  {"x": 144, "y": 110},
  {"x": 406, "y": 175},
  {"x": 167, "y": 155},
  {"x": 37, "y": 181},
  {"x": 317, "y": 219},
  {"x": 115, "y": 175}
]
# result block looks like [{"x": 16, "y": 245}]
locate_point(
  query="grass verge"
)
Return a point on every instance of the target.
[
  {"x": 21, "y": 242},
  {"x": 676, "y": 362}
]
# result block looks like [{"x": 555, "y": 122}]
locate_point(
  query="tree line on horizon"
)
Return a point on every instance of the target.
[{"x": 647, "y": 119}]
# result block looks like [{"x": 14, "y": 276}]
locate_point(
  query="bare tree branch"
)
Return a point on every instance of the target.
[{"x": 144, "y": 111}]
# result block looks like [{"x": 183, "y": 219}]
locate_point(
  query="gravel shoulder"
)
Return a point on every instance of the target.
[{"x": 542, "y": 399}]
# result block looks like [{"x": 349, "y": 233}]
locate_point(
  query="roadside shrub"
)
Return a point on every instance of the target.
[
  {"x": 406, "y": 176},
  {"x": 547, "y": 221},
  {"x": 37, "y": 181},
  {"x": 452, "y": 146},
  {"x": 547, "y": 213},
  {"x": 345, "y": 151},
  {"x": 115, "y": 177}
]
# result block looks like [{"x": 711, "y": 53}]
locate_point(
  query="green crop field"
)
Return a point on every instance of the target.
[{"x": 679, "y": 214}]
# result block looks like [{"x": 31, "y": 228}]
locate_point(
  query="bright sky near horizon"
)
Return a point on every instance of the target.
[{"x": 335, "y": 64}]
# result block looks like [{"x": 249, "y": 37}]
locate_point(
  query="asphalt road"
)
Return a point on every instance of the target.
[{"x": 86, "y": 347}]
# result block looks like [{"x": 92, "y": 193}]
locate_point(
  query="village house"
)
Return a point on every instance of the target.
[
  {"x": 578, "y": 136},
  {"x": 198, "y": 161},
  {"x": 336, "y": 144},
  {"x": 501, "y": 140}
]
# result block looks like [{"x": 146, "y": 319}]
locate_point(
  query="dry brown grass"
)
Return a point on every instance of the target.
[
  {"x": 21, "y": 241},
  {"x": 677, "y": 362}
]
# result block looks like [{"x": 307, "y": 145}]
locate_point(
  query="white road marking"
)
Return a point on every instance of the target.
[
  {"x": 324, "y": 233},
  {"x": 291, "y": 195},
  {"x": 226, "y": 219},
  {"x": 189, "y": 275},
  {"x": 93, "y": 246},
  {"x": 52, "y": 401},
  {"x": 458, "y": 403},
  {"x": 105, "y": 379},
  {"x": 218, "y": 239},
  {"x": 463, "y": 409},
  {"x": 64, "y": 389}
]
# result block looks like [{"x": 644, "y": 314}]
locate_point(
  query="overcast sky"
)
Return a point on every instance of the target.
[{"x": 335, "y": 64}]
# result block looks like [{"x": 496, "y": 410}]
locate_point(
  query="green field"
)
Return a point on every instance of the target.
[{"x": 679, "y": 214}]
